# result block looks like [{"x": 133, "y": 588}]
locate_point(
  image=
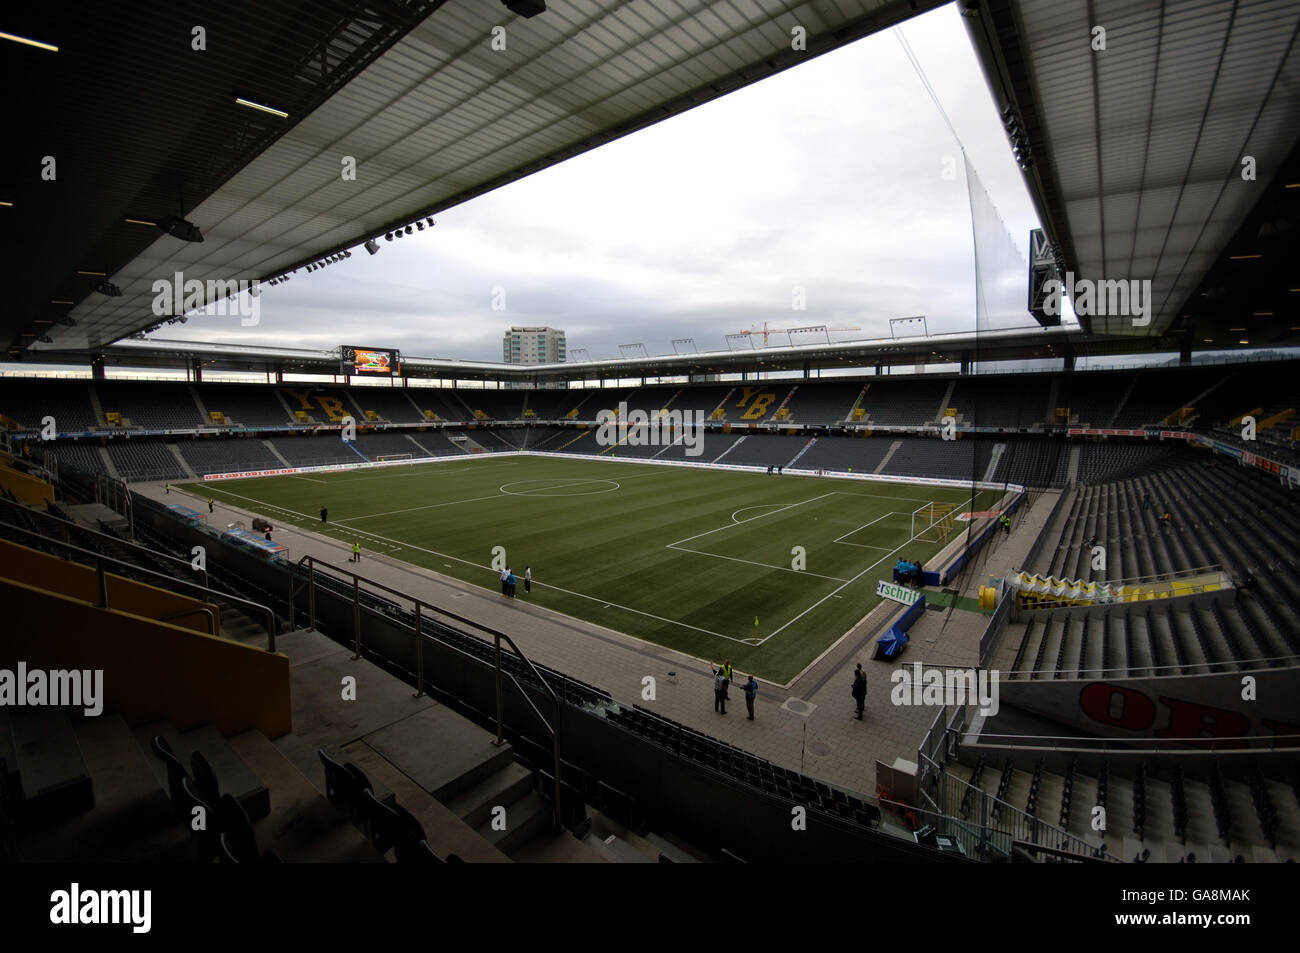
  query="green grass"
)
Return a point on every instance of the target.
[{"x": 683, "y": 557}]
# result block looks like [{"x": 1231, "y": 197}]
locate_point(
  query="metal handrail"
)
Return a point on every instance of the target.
[
  {"x": 310, "y": 563},
  {"x": 100, "y": 559},
  {"x": 118, "y": 541},
  {"x": 206, "y": 610}
]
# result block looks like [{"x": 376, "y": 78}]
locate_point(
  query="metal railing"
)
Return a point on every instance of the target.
[
  {"x": 945, "y": 792},
  {"x": 101, "y": 578},
  {"x": 303, "y": 574},
  {"x": 1244, "y": 665},
  {"x": 66, "y": 525},
  {"x": 994, "y": 817}
]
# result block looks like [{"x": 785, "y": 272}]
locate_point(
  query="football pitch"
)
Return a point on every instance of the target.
[{"x": 765, "y": 570}]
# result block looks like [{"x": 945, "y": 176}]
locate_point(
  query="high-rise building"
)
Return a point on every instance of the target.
[{"x": 533, "y": 346}]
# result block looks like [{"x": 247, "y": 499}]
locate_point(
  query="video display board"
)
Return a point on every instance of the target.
[{"x": 371, "y": 362}]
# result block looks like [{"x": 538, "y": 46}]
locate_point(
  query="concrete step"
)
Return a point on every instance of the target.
[
  {"x": 53, "y": 778},
  {"x": 234, "y": 776},
  {"x": 442, "y": 752},
  {"x": 505, "y": 787},
  {"x": 302, "y": 825},
  {"x": 557, "y": 847},
  {"x": 132, "y": 820},
  {"x": 445, "y": 832},
  {"x": 525, "y": 818}
]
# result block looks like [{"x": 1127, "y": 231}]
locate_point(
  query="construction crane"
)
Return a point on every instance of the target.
[{"x": 765, "y": 330}]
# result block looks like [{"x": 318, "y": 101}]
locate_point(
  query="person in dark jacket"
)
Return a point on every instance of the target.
[
  {"x": 324, "y": 515},
  {"x": 860, "y": 689},
  {"x": 751, "y": 692}
]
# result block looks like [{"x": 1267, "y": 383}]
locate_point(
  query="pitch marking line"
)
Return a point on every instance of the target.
[
  {"x": 283, "y": 509},
  {"x": 479, "y": 499},
  {"x": 433, "y": 552},
  {"x": 862, "y": 527},
  {"x": 580, "y": 595},
  {"x": 675, "y": 543},
  {"x": 737, "y": 559},
  {"x": 834, "y": 592},
  {"x": 756, "y": 506}
]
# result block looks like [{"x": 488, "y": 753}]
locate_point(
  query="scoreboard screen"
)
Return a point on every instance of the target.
[{"x": 371, "y": 362}]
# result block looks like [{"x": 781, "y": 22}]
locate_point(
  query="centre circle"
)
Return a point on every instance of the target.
[{"x": 558, "y": 488}]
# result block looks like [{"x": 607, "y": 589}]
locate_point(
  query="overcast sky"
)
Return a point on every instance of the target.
[{"x": 829, "y": 177}]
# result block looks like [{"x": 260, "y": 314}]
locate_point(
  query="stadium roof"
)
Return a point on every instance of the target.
[
  {"x": 1138, "y": 151},
  {"x": 966, "y": 347},
  {"x": 144, "y": 126}
]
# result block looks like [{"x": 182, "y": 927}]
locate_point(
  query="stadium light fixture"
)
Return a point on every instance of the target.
[
  {"x": 419, "y": 226},
  {"x": 372, "y": 246},
  {"x": 26, "y": 41},
  {"x": 7, "y": 204},
  {"x": 94, "y": 274},
  {"x": 179, "y": 228},
  {"x": 108, "y": 288},
  {"x": 140, "y": 221},
  {"x": 388, "y": 236},
  {"x": 431, "y": 221},
  {"x": 409, "y": 230},
  {"x": 263, "y": 108}
]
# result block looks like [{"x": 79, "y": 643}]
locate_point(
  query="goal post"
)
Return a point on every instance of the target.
[
  {"x": 934, "y": 521},
  {"x": 391, "y": 457}
]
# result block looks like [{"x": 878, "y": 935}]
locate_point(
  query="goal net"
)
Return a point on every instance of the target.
[
  {"x": 934, "y": 521},
  {"x": 388, "y": 457}
]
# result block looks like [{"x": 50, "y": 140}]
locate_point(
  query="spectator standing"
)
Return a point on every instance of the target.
[
  {"x": 324, "y": 515},
  {"x": 719, "y": 690},
  {"x": 211, "y": 508},
  {"x": 528, "y": 579},
  {"x": 751, "y": 692},
  {"x": 505, "y": 581},
  {"x": 511, "y": 582},
  {"x": 860, "y": 690}
]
